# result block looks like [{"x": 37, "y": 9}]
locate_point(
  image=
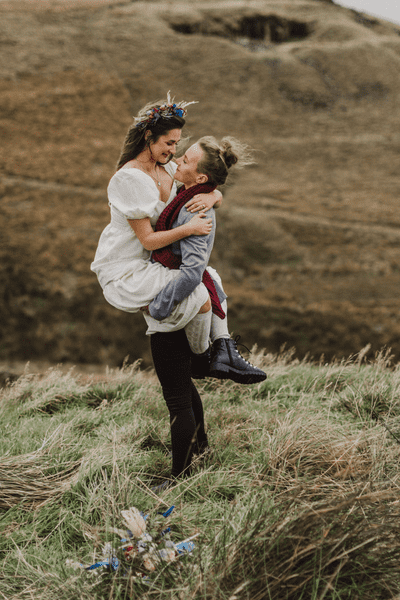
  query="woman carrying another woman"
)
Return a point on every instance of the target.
[{"x": 204, "y": 165}]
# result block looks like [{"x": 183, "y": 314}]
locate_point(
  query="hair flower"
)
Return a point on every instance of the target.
[{"x": 166, "y": 111}]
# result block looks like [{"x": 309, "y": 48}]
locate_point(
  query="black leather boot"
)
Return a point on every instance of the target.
[
  {"x": 227, "y": 363},
  {"x": 200, "y": 365}
]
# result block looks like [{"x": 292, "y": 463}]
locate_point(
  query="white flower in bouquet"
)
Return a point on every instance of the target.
[{"x": 134, "y": 521}]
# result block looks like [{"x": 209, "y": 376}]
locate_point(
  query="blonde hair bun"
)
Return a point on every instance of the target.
[
  {"x": 228, "y": 153},
  {"x": 221, "y": 156}
]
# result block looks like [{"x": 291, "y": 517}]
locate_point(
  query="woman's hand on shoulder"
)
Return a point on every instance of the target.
[
  {"x": 204, "y": 201},
  {"x": 200, "y": 224}
]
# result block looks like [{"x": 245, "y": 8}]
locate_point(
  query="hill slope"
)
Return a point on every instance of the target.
[{"x": 307, "y": 239}]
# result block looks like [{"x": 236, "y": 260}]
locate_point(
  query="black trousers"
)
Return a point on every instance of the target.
[{"x": 172, "y": 361}]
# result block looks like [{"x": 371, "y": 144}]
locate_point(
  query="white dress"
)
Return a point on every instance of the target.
[{"x": 122, "y": 265}]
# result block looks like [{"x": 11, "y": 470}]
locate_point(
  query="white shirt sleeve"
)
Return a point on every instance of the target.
[{"x": 133, "y": 193}]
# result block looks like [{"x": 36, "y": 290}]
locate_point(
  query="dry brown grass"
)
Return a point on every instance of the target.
[
  {"x": 350, "y": 539},
  {"x": 30, "y": 480}
]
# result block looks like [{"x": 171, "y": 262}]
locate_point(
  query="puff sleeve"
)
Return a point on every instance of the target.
[{"x": 133, "y": 193}]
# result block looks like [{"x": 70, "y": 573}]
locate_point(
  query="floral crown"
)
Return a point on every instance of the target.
[{"x": 166, "y": 111}]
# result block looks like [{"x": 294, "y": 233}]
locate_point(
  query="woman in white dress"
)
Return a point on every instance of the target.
[{"x": 138, "y": 192}]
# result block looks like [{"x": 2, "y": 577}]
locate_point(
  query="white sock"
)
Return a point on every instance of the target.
[
  {"x": 198, "y": 332},
  {"x": 219, "y": 327}
]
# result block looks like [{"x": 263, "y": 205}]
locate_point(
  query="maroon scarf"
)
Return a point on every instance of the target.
[{"x": 166, "y": 257}]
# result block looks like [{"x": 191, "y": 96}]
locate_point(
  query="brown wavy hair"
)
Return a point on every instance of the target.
[{"x": 136, "y": 141}]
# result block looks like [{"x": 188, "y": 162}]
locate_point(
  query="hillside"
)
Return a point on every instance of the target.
[{"x": 308, "y": 239}]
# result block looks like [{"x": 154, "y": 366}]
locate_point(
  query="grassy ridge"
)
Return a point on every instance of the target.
[{"x": 299, "y": 498}]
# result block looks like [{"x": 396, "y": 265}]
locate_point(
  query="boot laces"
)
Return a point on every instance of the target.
[{"x": 236, "y": 342}]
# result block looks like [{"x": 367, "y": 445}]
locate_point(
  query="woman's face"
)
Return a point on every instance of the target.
[
  {"x": 165, "y": 147},
  {"x": 187, "y": 172}
]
